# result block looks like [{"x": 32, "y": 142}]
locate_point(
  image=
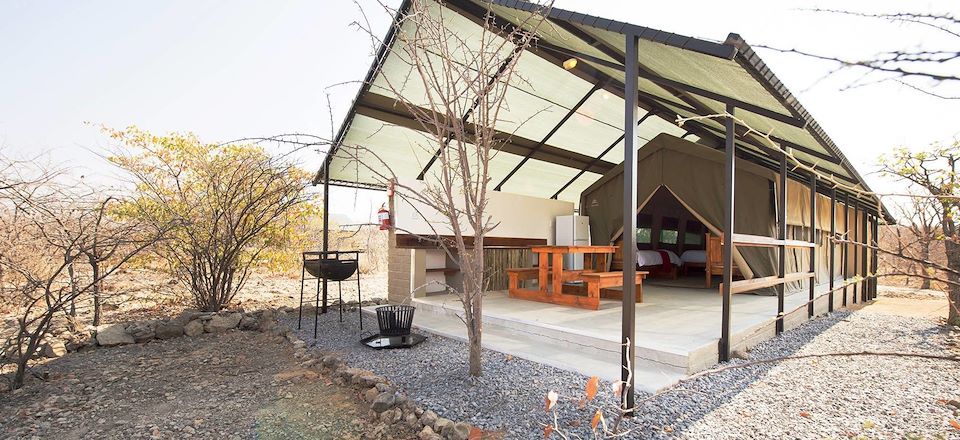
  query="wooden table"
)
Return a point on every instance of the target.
[{"x": 551, "y": 274}]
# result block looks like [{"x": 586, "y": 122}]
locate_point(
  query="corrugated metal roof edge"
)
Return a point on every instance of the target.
[
  {"x": 706, "y": 47},
  {"x": 734, "y": 47},
  {"x": 764, "y": 74}
]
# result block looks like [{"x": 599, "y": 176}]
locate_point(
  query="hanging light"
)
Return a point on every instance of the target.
[{"x": 570, "y": 63}]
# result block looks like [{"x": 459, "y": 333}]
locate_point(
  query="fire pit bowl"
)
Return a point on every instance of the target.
[
  {"x": 395, "y": 320},
  {"x": 331, "y": 268}
]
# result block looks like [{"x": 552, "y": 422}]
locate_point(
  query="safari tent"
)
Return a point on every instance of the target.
[
  {"x": 596, "y": 110},
  {"x": 680, "y": 187}
]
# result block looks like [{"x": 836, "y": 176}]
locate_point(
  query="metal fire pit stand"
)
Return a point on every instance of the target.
[{"x": 329, "y": 266}]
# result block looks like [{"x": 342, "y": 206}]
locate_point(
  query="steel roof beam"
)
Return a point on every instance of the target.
[{"x": 550, "y": 134}]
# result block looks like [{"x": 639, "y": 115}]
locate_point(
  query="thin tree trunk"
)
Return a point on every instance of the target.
[
  {"x": 73, "y": 291},
  {"x": 95, "y": 268},
  {"x": 953, "y": 262},
  {"x": 475, "y": 332},
  {"x": 925, "y": 254}
]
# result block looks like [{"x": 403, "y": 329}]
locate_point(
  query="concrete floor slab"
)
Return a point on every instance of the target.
[{"x": 677, "y": 330}]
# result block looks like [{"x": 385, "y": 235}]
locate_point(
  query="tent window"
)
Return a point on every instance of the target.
[
  {"x": 668, "y": 236},
  {"x": 644, "y": 228},
  {"x": 669, "y": 230},
  {"x": 643, "y": 235},
  {"x": 693, "y": 234}
]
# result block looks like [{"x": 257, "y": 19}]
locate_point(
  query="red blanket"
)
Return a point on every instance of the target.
[{"x": 665, "y": 264}]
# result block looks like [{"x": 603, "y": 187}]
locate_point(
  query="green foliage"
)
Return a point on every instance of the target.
[{"x": 235, "y": 207}]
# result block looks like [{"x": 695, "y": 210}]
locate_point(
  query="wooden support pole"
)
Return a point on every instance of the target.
[
  {"x": 854, "y": 238},
  {"x": 864, "y": 268},
  {"x": 813, "y": 240},
  {"x": 729, "y": 173},
  {"x": 782, "y": 235},
  {"x": 876, "y": 263},
  {"x": 844, "y": 251},
  {"x": 629, "y": 306},
  {"x": 833, "y": 246}
]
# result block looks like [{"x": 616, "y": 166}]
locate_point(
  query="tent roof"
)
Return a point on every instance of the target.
[{"x": 572, "y": 131}]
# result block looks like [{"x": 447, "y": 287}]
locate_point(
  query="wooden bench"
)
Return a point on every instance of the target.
[
  {"x": 517, "y": 275},
  {"x": 520, "y": 274},
  {"x": 598, "y": 281}
]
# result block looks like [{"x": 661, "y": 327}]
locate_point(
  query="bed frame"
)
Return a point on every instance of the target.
[
  {"x": 616, "y": 263},
  {"x": 714, "y": 264}
]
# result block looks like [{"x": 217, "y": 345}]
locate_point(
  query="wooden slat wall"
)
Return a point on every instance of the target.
[{"x": 497, "y": 260}]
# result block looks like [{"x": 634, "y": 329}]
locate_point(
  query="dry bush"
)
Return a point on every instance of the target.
[
  {"x": 57, "y": 244},
  {"x": 232, "y": 207}
]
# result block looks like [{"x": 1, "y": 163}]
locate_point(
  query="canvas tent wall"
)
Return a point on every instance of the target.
[{"x": 693, "y": 173}]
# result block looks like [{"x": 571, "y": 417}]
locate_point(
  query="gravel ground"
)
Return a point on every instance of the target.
[
  {"x": 229, "y": 386},
  {"x": 509, "y": 397},
  {"x": 835, "y": 397}
]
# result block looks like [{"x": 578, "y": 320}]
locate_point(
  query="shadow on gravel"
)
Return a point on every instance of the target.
[{"x": 701, "y": 396}]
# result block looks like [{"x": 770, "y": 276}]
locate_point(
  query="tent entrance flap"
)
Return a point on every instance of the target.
[
  {"x": 657, "y": 206},
  {"x": 693, "y": 174}
]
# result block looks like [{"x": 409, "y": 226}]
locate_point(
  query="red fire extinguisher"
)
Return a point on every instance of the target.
[{"x": 384, "y": 217}]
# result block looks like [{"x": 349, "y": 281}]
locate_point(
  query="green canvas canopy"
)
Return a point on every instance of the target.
[{"x": 563, "y": 126}]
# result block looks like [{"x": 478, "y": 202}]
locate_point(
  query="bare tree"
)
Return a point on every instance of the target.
[
  {"x": 916, "y": 67},
  {"x": 934, "y": 171},
  {"x": 918, "y": 235},
  {"x": 465, "y": 80},
  {"x": 46, "y": 229}
]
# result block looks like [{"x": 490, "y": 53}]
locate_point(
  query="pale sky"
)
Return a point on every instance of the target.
[{"x": 227, "y": 70}]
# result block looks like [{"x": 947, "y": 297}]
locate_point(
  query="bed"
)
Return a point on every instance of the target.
[
  {"x": 655, "y": 258},
  {"x": 693, "y": 259},
  {"x": 649, "y": 260}
]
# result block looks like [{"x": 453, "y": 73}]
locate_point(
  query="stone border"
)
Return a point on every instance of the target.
[
  {"x": 390, "y": 409},
  {"x": 388, "y": 406}
]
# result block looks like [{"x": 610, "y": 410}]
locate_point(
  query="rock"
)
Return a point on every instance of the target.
[
  {"x": 349, "y": 373},
  {"x": 77, "y": 345},
  {"x": 371, "y": 395},
  {"x": 391, "y": 416},
  {"x": 169, "y": 330},
  {"x": 426, "y": 433},
  {"x": 141, "y": 331},
  {"x": 440, "y": 424},
  {"x": 187, "y": 315},
  {"x": 456, "y": 431},
  {"x": 332, "y": 362},
  {"x": 411, "y": 420},
  {"x": 371, "y": 380},
  {"x": 383, "y": 402},
  {"x": 222, "y": 323},
  {"x": 54, "y": 349},
  {"x": 267, "y": 320},
  {"x": 428, "y": 418},
  {"x": 249, "y": 323},
  {"x": 193, "y": 328},
  {"x": 113, "y": 334}
]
